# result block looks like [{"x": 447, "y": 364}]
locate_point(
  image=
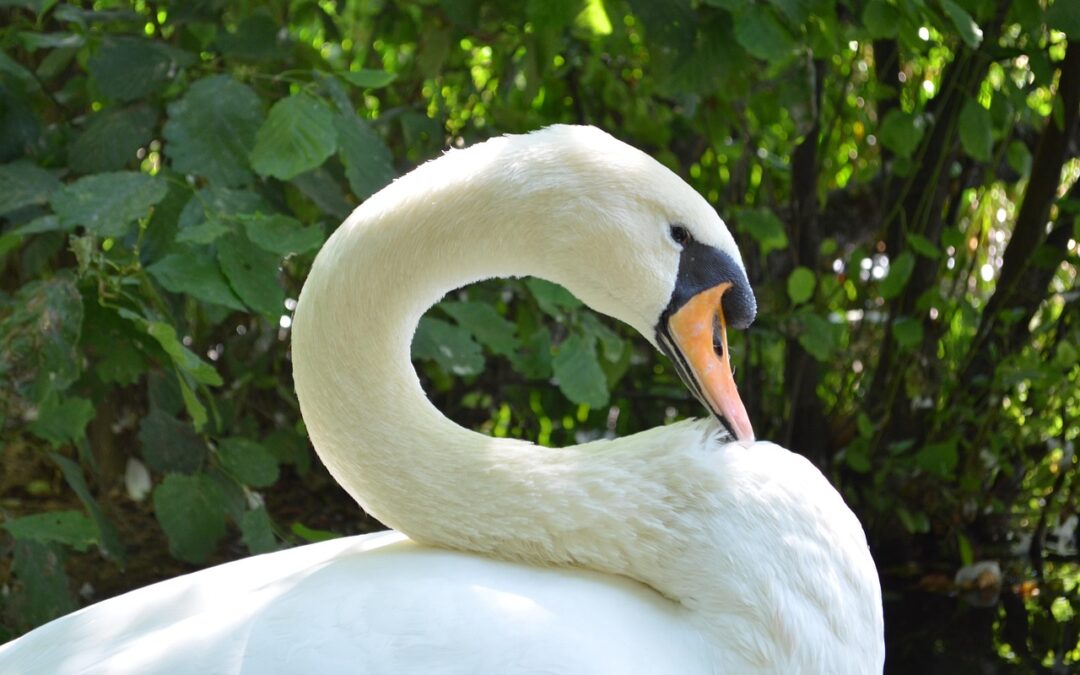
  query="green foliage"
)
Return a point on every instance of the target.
[
  {"x": 248, "y": 462},
  {"x": 168, "y": 171},
  {"x": 298, "y": 136},
  {"x": 899, "y": 273},
  {"x": 976, "y": 131},
  {"x": 211, "y": 130},
  {"x": 62, "y": 421},
  {"x": 765, "y": 228},
  {"x": 577, "y": 370},
  {"x": 901, "y": 132},
  {"x": 25, "y": 184},
  {"x": 169, "y": 444},
  {"x": 191, "y": 510},
  {"x": 107, "y": 204},
  {"x": 451, "y": 347},
  {"x": 71, "y": 528},
  {"x": 800, "y": 285}
]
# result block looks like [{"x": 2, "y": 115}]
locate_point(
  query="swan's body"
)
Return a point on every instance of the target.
[
  {"x": 666, "y": 551},
  {"x": 372, "y": 605}
]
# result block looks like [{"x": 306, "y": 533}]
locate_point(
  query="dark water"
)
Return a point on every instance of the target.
[{"x": 1030, "y": 627}]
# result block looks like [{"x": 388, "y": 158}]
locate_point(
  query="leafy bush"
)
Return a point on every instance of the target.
[{"x": 900, "y": 177}]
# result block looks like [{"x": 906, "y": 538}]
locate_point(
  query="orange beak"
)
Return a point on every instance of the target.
[{"x": 692, "y": 330}]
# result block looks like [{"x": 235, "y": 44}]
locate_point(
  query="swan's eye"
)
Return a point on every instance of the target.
[{"x": 680, "y": 235}]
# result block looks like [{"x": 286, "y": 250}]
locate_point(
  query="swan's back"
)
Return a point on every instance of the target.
[{"x": 377, "y": 604}]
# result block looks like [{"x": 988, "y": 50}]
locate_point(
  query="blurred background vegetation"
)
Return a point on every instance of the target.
[{"x": 900, "y": 175}]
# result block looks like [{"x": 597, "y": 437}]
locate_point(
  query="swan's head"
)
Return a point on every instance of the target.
[{"x": 634, "y": 241}]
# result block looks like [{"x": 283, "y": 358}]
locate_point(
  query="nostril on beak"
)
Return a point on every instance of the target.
[{"x": 718, "y": 337}]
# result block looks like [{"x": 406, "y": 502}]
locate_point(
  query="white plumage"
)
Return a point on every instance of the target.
[{"x": 668, "y": 551}]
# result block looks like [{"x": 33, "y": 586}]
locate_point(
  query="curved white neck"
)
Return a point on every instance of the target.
[
  {"x": 368, "y": 416},
  {"x": 713, "y": 527}
]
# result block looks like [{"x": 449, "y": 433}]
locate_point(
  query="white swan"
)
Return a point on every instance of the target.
[{"x": 669, "y": 551}]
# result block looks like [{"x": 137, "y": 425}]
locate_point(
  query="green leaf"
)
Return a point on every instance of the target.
[
  {"x": 938, "y": 458},
  {"x": 248, "y": 462},
  {"x": 450, "y": 346},
  {"x": 9, "y": 241},
  {"x": 252, "y": 273},
  {"x": 191, "y": 510},
  {"x": 817, "y": 336},
  {"x": 62, "y": 421},
  {"x": 965, "y": 25},
  {"x": 258, "y": 531},
  {"x": 1064, "y": 15},
  {"x": 796, "y": 11},
  {"x": 70, "y": 528},
  {"x": 57, "y": 62},
  {"x": 206, "y": 232},
  {"x": 908, "y": 332},
  {"x": 191, "y": 403},
  {"x": 163, "y": 390},
  {"x": 25, "y": 184},
  {"x": 107, "y": 537},
  {"x": 953, "y": 237},
  {"x": 553, "y": 15},
  {"x": 298, "y": 136},
  {"x": 43, "y": 592},
  {"x": 170, "y": 445},
  {"x": 594, "y": 18},
  {"x": 765, "y": 228},
  {"x": 578, "y": 372},
  {"x": 289, "y": 447},
  {"x": 668, "y": 25},
  {"x": 107, "y": 203},
  {"x": 901, "y": 132},
  {"x": 366, "y": 78},
  {"x": 761, "y": 34},
  {"x": 183, "y": 357},
  {"x": 533, "y": 360},
  {"x": 258, "y": 38},
  {"x": 196, "y": 274},
  {"x": 857, "y": 458},
  {"x": 1019, "y": 158},
  {"x": 914, "y": 523},
  {"x": 976, "y": 131},
  {"x": 485, "y": 324},
  {"x": 39, "y": 225},
  {"x": 711, "y": 66},
  {"x": 923, "y": 246},
  {"x": 611, "y": 342},
  {"x": 116, "y": 344},
  {"x": 881, "y": 19},
  {"x": 312, "y": 535},
  {"x": 1066, "y": 357},
  {"x": 211, "y": 130},
  {"x": 112, "y": 138},
  {"x": 369, "y": 167},
  {"x": 281, "y": 234},
  {"x": 963, "y": 544},
  {"x": 800, "y": 285},
  {"x": 73, "y": 476},
  {"x": 35, "y": 41},
  {"x": 39, "y": 347},
  {"x": 221, "y": 204},
  {"x": 322, "y": 188},
  {"x": 553, "y": 299},
  {"x": 900, "y": 270},
  {"x": 127, "y": 69},
  {"x": 17, "y": 72}
]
